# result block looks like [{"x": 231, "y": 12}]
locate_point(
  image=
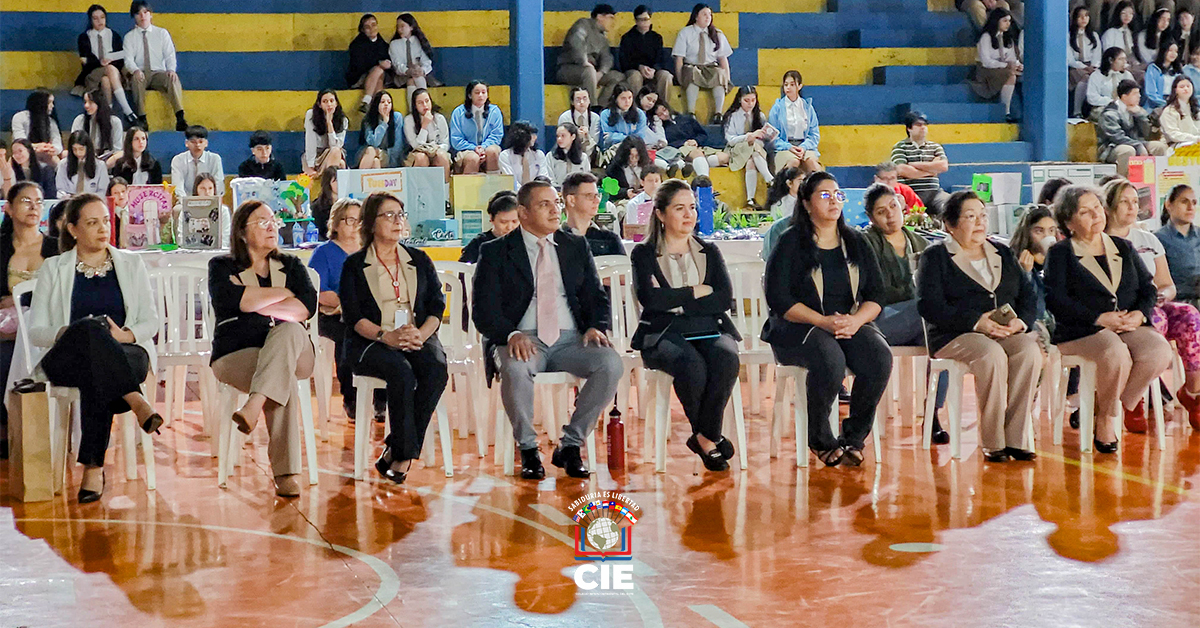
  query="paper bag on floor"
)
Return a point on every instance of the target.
[{"x": 31, "y": 473}]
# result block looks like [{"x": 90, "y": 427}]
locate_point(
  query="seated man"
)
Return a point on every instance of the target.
[
  {"x": 1123, "y": 128},
  {"x": 920, "y": 161},
  {"x": 642, "y": 53},
  {"x": 261, "y": 164},
  {"x": 194, "y": 161},
  {"x": 582, "y": 201},
  {"x": 586, "y": 59},
  {"x": 541, "y": 308},
  {"x": 151, "y": 64},
  {"x": 886, "y": 174}
]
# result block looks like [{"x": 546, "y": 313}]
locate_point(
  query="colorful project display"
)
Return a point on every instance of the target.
[
  {"x": 200, "y": 223},
  {"x": 1082, "y": 174},
  {"x": 151, "y": 219},
  {"x": 473, "y": 191},
  {"x": 423, "y": 190},
  {"x": 1155, "y": 176},
  {"x": 288, "y": 199}
]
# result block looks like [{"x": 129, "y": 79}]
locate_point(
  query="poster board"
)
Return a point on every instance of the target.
[
  {"x": 151, "y": 218},
  {"x": 287, "y": 199},
  {"x": 1081, "y": 174},
  {"x": 200, "y": 223},
  {"x": 423, "y": 190}
]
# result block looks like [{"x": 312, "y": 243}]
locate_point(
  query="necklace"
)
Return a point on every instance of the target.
[
  {"x": 91, "y": 272},
  {"x": 395, "y": 277}
]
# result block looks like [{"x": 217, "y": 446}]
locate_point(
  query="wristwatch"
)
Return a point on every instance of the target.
[{"x": 379, "y": 335}]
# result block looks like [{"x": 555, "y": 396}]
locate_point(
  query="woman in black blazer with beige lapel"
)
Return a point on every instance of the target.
[
  {"x": 961, "y": 284},
  {"x": 685, "y": 331},
  {"x": 1102, "y": 297},
  {"x": 823, "y": 288},
  {"x": 392, "y": 304}
]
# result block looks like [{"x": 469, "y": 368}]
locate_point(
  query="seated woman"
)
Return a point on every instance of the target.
[
  {"x": 322, "y": 205},
  {"x": 1178, "y": 322},
  {"x": 1102, "y": 84},
  {"x": 381, "y": 138},
  {"x": 392, "y": 304},
  {"x": 369, "y": 62},
  {"x": 476, "y": 130},
  {"x": 685, "y": 135},
  {"x": 93, "y": 321},
  {"x": 410, "y": 53},
  {"x": 522, "y": 158},
  {"x": 427, "y": 134},
  {"x": 39, "y": 124},
  {"x": 998, "y": 66},
  {"x": 97, "y": 46},
  {"x": 746, "y": 139},
  {"x": 105, "y": 129},
  {"x": 567, "y": 156},
  {"x": 1122, "y": 34},
  {"x": 502, "y": 211},
  {"x": 685, "y": 330},
  {"x": 1102, "y": 298},
  {"x": 1180, "y": 118},
  {"x": 626, "y": 167},
  {"x": 1082, "y": 57},
  {"x": 81, "y": 172},
  {"x": 136, "y": 165},
  {"x": 823, "y": 288},
  {"x": 24, "y": 166},
  {"x": 584, "y": 119},
  {"x": 1181, "y": 243},
  {"x": 799, "y": 132},
  {"x": 979, "y": 308},
  {"x": 262, "y": 299},
  {"x": 619, "y": 121},
  {"x": 324, "y": 134},
  {"x": 1161, "y": 74}
]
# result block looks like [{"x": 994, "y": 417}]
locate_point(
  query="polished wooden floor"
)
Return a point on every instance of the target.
[{"x": 920, "y": 540}]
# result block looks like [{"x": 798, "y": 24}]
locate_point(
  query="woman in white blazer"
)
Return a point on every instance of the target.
[{"x": 92, "y": 327}]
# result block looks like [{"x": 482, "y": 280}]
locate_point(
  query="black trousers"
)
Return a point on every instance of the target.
[
  {"x": 705, "y": 373},
  {"x": 415, "y": 381},
  {"x": 867, "y": 356},
  {"x": 88, "y": 358},
  {"x": 6, "y": 355},
  {"x": 331, "y": 326}
]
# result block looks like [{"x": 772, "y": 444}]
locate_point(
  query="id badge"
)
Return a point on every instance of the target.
[{"x": 401, "y": 319}]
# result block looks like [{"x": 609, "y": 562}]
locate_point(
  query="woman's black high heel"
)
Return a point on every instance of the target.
[
  {"x": 87, "y": 497},
  {"x": 384, "y": 467},
  {"x": 1106, "y": 448},
  {"x": 713, "y": 460},
  {"x": 831, "y": 457}
]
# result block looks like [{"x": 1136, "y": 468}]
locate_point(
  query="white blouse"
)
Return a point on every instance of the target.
[
  {"x": 101, "y": 38},
  {"x": 314, "y": 143},
  {"x": 399, "y": 55},
  {"x": 561, "y": 169},
  {"x": 95, "y": 185},
  {"x": 1179, "y": 128},
  {"x": 735, "y": 129},
  {"x": 990, "y": 57},
  {"x": 1088, "y": 54},
  {"x": 21, "y": 124},
  {"x": 688, "y": 45},
  {"x": 116, "y": 136},
  {"x": 512, "y": 163},
  {"x": 593, "y": 127},
  {"x": 436, "y": 135},
  {"x": 1118, "y": 38},
  {"x": 1102, "y": 89}
]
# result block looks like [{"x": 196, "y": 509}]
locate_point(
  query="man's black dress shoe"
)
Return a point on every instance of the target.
[
  {"x": 531, "y": 464},
  {"x": 567, "y": 458}
]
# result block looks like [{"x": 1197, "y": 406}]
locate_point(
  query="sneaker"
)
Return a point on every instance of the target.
[{"x": 1135, "y": 419}]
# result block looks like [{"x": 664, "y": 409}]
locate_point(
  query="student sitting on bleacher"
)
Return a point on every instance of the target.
[
  {"x": 978, "y": 10},
  {"x": 476, "y": 130},
  {"x": 1082, "y": 57},
  {"x": 998, "y": 67},
  {"x": 1157, "y": 28},
  {"x": 97, "y": 46},
  {"x": 136, "y": 165},
  {"x": 410, "y": 53},
  {"x": 746, "y": 139},
  {"x": 261, "y": 164},
  {"x": 150, "y": 63},
  {"x": 920, "y": 161},
  {"x": 1122, "y": 34},
  {"x": 196, "y": 160},
  {"x": 426, "y": 133},
  {"x": 585, "y": 58},
  {"x": 23, "y": 166},
  {"x": 701, "y": 55},
  {"x": 799, "y": 131},
  {"x": 1160, "y": 75},
  {"x": 38, "y": 123},
  {"x": 567, "y": 156},
  {"x": 1181, "y": 30},
  {"x": 1102, "y": 84},
  {"x": 324, "y": 134},
  {"x": 1123, "y": 130},
  {"x": 629, "y": 158},
  {"x": 369, "y": 62},
  {"x": 82, "y": 172},
  {"x": 522, "y": 158},
  {"x": 1179, "y": 118},
  {"x": 621, "y": 119},
  {"x": 584, "y": 119},
  {"x": 655, "y": 136},
  {"x": 642, "y": 52},
  {"x": 105, "y": 129},
  {"x": 687, "y": 136},
  {"x": 381, "y": 139}
]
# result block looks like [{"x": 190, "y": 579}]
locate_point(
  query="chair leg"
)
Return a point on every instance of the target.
[
  {"x": 222, "y": 434},
  {"x": 877, "y": 431},
  {"x": 510, "y": 445},
  {"x": 954, "y": 414},
  {"x": 147, "y": 454},
  {"x": 662, "y": 423},
  {"x": 1087, "y": 410},
  {"x": 930, "y": 401},
  {"x": 648, "y": 401},
  {"x": 478, "y": 419},
  {"x": 777, "y": 408},
  {"x": 739, "y": 424},
  {"x": 129, "y": 438},
  {"x": 447, "y": 445},
  {"x": 364, "y": 411},
  {"x": 1160, "y": 428},
  {"x": 752, "y": 372},
  {"x": 308, "y": 429},
  {"x": 169, "y": 393},
  {"x": 1059, "y": 406},
  {"x": 497, "y": 412},
  {"x": 800, "y": 418},
  {"x": 323, "y": 376},
  {"x": 176, "y": 409}
]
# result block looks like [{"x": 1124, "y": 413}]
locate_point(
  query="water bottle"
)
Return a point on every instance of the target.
[
  {"x": 310, "y": 233},
  {"x": 616, "y": 441},
  {"x": 297, "y": 234}
]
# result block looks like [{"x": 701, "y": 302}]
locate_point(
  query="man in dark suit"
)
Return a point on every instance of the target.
[{"x": 540, "y": 306}]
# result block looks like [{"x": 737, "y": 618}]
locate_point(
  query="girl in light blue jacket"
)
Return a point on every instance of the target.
[
  {"x": 799, "y": 131},
  {"x": 476, "y": 130}
]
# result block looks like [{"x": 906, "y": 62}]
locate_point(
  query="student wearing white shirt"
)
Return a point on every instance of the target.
[
  {"x": 150, "y": 63},
  {"x": 1121, "y": 35},
  {"x": 100, "y": 52},
  {"x": 1102, "y": 84},
  {"x": 584, "y": 119},
  {"x": 665, "y": 157},
  {"x": 1158, "y": 27},
  {"x": 799, "y": 131},
  {"x": 701, "y": 55},
  {"x": 652, "y": 177},
  {"x": 205, "y": 185},
  {"x": 134, "y": 163},
  {"x": 38, "y": 124},
  {"x": 101, "y": 125},
  {"x": 81, "y": 172},
  {"x": 1083, "y": 55},
  {"x": 522, "y": 159},
  {"x": 998, "y": 68},
  {"x": 567, "y": 156},
  {"x": 427, "y": 134},
  {"x": 1180, "y": 117},
  {"x": 196, "y": 160},
  {"x": 324, "y": 134},
  {"x": 745, "y": 139},
  {"x": 410, "y": 53}
]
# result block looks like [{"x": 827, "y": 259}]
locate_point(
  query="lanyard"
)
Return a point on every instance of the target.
[{"x": 394, "y": 276}]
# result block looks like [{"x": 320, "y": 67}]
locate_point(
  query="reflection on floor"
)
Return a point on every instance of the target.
[{"x": 921, "y": 540}]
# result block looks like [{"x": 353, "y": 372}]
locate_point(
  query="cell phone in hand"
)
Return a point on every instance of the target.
[{"x": 1003, "y": 315}]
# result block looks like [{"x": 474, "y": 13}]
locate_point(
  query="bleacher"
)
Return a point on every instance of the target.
[{"x": 247, "y": 66}]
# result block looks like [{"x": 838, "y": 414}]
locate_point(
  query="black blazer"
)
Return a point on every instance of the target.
[
  {"x": 951, "y": 301},
  {"x": 504, "y": 287},
  {"x": 658, "y": 301},
  {"x": 1077, "y": 298},
  {"x": 122, "y": 169},
  {"x": 92, "y": 61},
  {"x": 603, "y": 242},
  {"x": 359, "y": 304},
  {"x": 49, "y": 249},
  {"x": 618, "y": 172},
  {"x": 470, "y": 252},
  {"x": 237, "y": 330},
  {"x": 788, "y": 280}
]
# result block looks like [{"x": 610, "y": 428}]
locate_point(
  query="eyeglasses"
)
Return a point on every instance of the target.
[
  {"x": 973, "y": 217},
  {"x": 267, "y": 223},
  {"x": 836, "y": 195},
  {"x": 591, "y": 196},
  {"x": 350, "y": 220},
  {"x": 643, "y": 18},
  {"x": 394, "y": 216}
]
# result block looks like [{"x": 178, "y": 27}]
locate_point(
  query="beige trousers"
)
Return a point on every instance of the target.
[
  {"x": 1006, "y": 374},
  {"x": 1122, "y": 153},
  {"x": 662, "y": 82},
  {"x": 272, "y": 371},
  {"x": 1125, "y": 365},
  {"x": 160, "y": 82}
]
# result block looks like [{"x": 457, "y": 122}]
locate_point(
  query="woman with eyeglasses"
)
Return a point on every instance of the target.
[
  {"x": 823, "y": 288},
  {"x": 392, "y": 304},
  {"x": 980, "y": 308},
  {"x": 263, "y": 299}
]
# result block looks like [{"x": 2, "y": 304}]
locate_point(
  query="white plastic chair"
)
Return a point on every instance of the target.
[
  {"x": 185, "y": 339},
  {"x": 1087, "y": 401},
  {"x": 658, "y": 388},
  {"x": 464, "y": 350},
  {"x": 798, "y": 378},
  {"x": 616, "y": 272},
  {"x": 749, "y": 314}
]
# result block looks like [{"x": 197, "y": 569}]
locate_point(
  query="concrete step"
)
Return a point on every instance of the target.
[
  {"x": 907, "y": 75},
  {"x": 939, "y": 112},
  {"x": 909, "y": 38}
]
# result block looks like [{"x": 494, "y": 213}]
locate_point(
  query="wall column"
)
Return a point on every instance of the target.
[
  {"x": 1044, "y": 88},
  {"x": 526, "y": 24}
]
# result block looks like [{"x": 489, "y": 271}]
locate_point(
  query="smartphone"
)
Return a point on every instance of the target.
[{"x": 1003, "y": 315}]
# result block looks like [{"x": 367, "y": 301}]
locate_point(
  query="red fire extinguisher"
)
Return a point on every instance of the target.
[{"x": 616, "y": 441}]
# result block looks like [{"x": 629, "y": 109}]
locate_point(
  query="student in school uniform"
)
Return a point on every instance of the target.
[
  {"x": 410, "y": 53},
  {"x": 476, "y": 131},
  {"x": 324, "y": 134},
  {"x": 641, "y": 54},
  {"x": 370, "y": 65},
  {"x": 105, "y": 129},
  {"x": 620, "y": 120},
  {"x": 799, "y": 132},
  {"x": 261, "y": 163},
  {"x": 701, "y": 55},
  {"x": 382, "y": 135},
  {"x": 426, "y": 133},
  {"x": 522, "y": 159},
  {"x": 150, "y": 63},
  {"x": 629, "y": 160},
  {"x": 38, "y": 123},
  {"x": 81, "y": 172},
  {"x": 687, "y": 136},
  {"x": 1083, "y": 56},
  {"x": 584, "y": 119},
  {"x": 746, "y": 139},
  {"x": 101, "y": 54},
  {"x": 196, "y": 160},
  {"x": 567, "y": 156},
  {"x": 581, "y": 203},
  {"x": 586, "y": 56},
  {"x": 136, "y": 165}
]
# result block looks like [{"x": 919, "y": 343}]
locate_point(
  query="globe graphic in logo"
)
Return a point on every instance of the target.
[{"x": 603, "y": 534}]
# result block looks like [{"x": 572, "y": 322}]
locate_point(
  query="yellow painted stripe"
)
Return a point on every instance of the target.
[
  {"x": 869, "y": 144},
  {"x": 851, "y": 66},
  {"x": 667, "y": 24},
  {"x": 30, "y": 70},
  {"x": 778, "y": 6},
  {"x": 1081, "y": 142},
  {"x": 940, "y": 5},
  {"x": 1116, "y": 473},
  {"x": 56, "y": 6}
]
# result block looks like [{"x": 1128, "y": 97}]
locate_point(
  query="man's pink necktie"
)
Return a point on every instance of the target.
[{"x": 547, "y": 295}]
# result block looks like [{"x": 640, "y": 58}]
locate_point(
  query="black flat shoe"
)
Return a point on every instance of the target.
[
  {"x": 713, "y": 460},
  {"x": 726, "y": 449},
  {"x": 1020, "y": 455},
  {"x": 1000, "y": 455},
  {"x": 831, "y": 457},
  {"x": 1074, "y": 420},
  {"x": 531, "y": 464},
  {"x": 152, "y": 423},
  {"x": 568, "y": 459},
  {"x": 1106, "y": 448},
  {"x": 384, "y": 467},
  {"x": 87, "y": 497}
]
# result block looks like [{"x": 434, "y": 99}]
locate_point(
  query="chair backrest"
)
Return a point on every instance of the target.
[
  {"x": 606, "y": 260},
  {"x": 617, "y": 274},
  {"x": 18, "y": 294},
  {"x": 749, "y": 302},
  {"x": 313, "y": 334},
  {"x": 181, "y": 298},
  {"x": 457, "y": 278}
]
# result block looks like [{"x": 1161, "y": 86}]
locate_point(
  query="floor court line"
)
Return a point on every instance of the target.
[
  {"x": 716, "y": 616},
  {"x": 1116, "y": 473}
]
